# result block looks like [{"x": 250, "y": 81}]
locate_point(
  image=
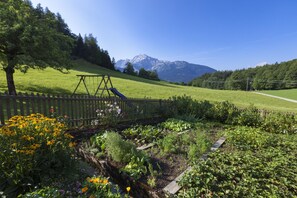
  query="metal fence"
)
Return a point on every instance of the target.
[{"x": 77, "y": 109}]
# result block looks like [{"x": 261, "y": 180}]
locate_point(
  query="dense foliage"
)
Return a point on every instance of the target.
[
  {"x": 273, "y": 76},
  {"x": 31, "y": 38},
  {"x": 88, "y": 49},
  {"x": 33, "y": 148},
  {"x": 259, "y": 164},
  {"x": 227, "y": 113}
]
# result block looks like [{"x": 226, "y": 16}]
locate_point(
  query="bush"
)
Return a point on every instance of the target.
[
  {"x": 200, "y": 146},
  {"x": 249, "y": 117},
  {"x": 224, "y": 112},
  {"x": 280, "y": 123},
  {"x": 33, "y": 147},
  {"x": 118, "y": 149},
  {"x": 169, "y": 144}
]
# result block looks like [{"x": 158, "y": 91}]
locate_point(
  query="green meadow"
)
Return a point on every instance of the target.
[
  {"x": 55, "y": 82},
  {"x": 287, "y": 93}
]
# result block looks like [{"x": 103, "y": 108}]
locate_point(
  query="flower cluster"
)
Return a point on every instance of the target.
[
  {"x": 26, "y": 141},
  {"x": 109, "y": 114},
  {"x": 98, "y": 187}
]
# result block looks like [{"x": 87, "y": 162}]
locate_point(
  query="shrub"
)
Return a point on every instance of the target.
[
  {"x": 33, "y": 147},
  {"x": 249, "y": 117},
  {"x": 169, "y": 144},
  {"x": 224, "y": 112},
  {"x": 118, "y": 149},
  {"x": 181, "y": 105},
  {"x": 280, "y": 123},
  {"x": 200, "y": 146}
]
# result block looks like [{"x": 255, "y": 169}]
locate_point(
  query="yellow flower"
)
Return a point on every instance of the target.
[
  {"x": 72, "y": 144},
  {"x": 96, "y": 180},
  {"x": 34, "y": 146},
  {"x": 50, "y": 142},
  {"x": 84, "y": 189},
  {"x": 128, "y": 189},
  {"x": 27, "y": 137},
  {"x": 105, "y": 181}
]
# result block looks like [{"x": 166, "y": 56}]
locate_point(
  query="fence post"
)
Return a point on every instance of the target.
[{"x": 1, "y": 109}]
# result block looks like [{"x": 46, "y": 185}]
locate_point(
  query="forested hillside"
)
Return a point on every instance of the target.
[{"x": 269, "y": 77}]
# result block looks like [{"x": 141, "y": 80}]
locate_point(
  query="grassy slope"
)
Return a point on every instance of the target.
[
  {"x": 288, "y": 93},
  {"x": 52, "y": 81}
]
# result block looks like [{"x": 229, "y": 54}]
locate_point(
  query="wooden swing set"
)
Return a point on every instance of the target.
[{"x": 105, "y": 84}]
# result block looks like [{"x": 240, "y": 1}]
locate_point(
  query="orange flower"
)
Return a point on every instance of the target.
[{"x": 84, "y": 189}]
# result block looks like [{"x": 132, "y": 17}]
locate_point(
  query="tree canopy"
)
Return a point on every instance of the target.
[
  {"x": 30, "y": 38},
  {"x": 37, "y": 38},
  {"x": 271, "y": 76}
]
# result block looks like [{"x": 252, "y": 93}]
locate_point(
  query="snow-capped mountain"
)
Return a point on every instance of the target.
[{"x": 177, "y": 71}]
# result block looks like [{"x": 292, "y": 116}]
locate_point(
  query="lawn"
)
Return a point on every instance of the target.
[
  {"x": 287, "y": 93},
  {"x": 52, "y": 81}
]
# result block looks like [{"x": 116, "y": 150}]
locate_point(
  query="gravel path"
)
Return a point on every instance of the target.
[{"x": 286, "y": 99}]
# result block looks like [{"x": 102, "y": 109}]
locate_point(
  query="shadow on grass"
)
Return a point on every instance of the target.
[
  {"x": 83, "y": 66},
  {"x": 42, "y": 89}
]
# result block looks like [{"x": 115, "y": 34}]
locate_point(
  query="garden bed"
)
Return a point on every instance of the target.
[{"x": 173, "y": 146}]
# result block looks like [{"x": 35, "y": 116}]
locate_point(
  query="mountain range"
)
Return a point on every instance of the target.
[{"x": 177, "y": 71}]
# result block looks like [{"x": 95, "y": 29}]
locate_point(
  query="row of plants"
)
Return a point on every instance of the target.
[
  {"x": 228, "y": 113},
  {"x": 253, "y": 163}
]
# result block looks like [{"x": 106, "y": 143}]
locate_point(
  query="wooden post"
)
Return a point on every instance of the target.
[{"x": 2, "y": 119}]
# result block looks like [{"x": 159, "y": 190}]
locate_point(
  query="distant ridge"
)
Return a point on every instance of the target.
[{"x": 177, "y": 71}]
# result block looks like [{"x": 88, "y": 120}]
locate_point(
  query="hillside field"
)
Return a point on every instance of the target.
[
  {"x": 286, "y": 93},
  {"x": 55, "y": 82}
]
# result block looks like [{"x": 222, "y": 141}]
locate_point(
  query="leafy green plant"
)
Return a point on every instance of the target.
[
  {"x": 269, "y": 173},
  {"x": 136, "y": 167},
  {"x": 201, "y": 145},
  {"x": 43, "y": 192},
  {"x": 280, "y": 123},
  {"x": 120, "y": 150},
  {"x": 246, "y": 138},
  {"x": 176, "y": 125},
  {"x": 169, "y": 143},
  {"x": 96, "y": 145},
  {"x": 143, "y": 134}
]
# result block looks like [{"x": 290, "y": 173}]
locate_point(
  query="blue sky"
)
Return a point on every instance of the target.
[{"x": 223, "y": 34}]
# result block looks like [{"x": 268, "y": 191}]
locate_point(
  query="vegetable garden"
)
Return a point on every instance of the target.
[{"x": 258, "y": 159}]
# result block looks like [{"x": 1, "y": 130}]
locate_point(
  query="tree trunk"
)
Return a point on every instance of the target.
[{"x": 10, "y": 82}]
